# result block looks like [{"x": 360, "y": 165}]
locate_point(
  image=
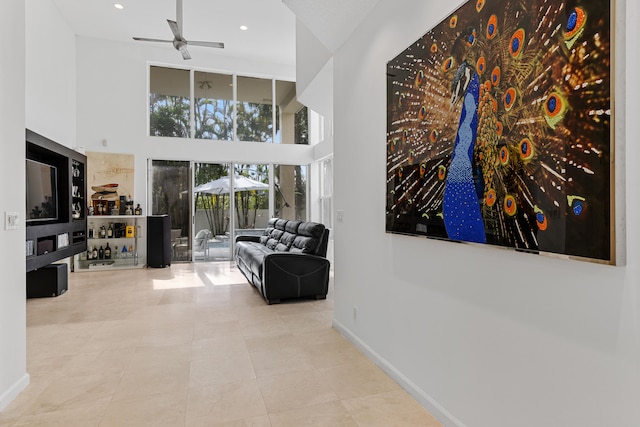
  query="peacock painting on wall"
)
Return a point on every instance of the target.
[{"x": 499, "y": 129}]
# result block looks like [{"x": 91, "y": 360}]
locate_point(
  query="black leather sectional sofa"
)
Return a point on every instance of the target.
[{"x": 287, "y": 261}]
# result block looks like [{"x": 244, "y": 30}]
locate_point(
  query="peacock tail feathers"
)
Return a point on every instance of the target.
[{"x": 542, "y": 153}]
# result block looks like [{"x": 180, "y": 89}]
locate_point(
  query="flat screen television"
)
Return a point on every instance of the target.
[{"x": 41, "y": 189}]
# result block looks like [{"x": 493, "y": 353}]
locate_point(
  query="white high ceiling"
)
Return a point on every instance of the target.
[{"x": 270, "y": 37}]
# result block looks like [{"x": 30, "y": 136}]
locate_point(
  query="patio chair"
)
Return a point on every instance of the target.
[{"x": 201, "y": 243}]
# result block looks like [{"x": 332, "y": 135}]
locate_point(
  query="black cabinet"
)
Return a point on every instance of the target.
[
  {"x": 48, "y": 281},
  {"x": 158, "y": 241},
  {"x": 56, "y": 225}
]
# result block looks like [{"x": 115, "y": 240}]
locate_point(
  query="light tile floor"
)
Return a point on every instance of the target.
[{"x": 196, "y": 345}]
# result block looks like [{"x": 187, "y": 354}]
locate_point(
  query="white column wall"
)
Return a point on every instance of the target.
[
  {"x": 50, "y": 87},
  {"x": 481, "y": 336},
  {"x": 13, "y": 361}
]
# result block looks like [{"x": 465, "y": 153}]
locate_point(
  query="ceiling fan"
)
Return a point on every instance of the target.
[{"x": 179, "y": 42}]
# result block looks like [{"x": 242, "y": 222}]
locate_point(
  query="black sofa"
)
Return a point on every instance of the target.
[{"x": 287, "y": 261}]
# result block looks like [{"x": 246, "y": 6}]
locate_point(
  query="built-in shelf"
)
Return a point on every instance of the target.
[
  {"x": 55, "y": 238},
  {"x": 126, "y": 231}
]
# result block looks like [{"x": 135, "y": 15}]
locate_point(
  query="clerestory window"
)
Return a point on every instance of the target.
[{"x": 206, "y": 105}]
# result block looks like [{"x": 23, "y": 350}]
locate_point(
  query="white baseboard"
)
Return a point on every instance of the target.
[
  {"x": 13, "y": 391},
  {"x": 437, "y": 410}
]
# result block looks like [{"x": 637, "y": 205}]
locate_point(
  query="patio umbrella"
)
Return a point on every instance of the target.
[{"x": 222, "y": 185}]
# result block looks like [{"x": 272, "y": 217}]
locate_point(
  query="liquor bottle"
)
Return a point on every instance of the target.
[
  {"x": 89, "y": 253},
  {"x": 103, "y": 232},
  {"x": 138, "y": 210},
  {"x": 124, "y": 251},
  {"x": 107, "y": 252},
  {"x": 94, "y": 253},
  {"x": 110, "y": 231},
  {"x": 115, "y": 252},
  {"x": 129, "y": 210},
  {"x": 100, "y": 253},
  {"x": 91, "y": 231}
]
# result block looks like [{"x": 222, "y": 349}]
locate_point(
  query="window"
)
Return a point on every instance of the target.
[
  {"x": 169, "y": 102},
  {"x": 302, "y": 126},
  {"x": 251, "y": 184},
  {"x": 290, "y": 183},
  {"x": 258, "y": 110},
  {"x": 326, "y": 192},
  {"x": 255, "y": 110},
  {"x": 213, "y": 101}
]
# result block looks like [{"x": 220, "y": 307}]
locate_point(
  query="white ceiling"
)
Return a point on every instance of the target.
[
  {"x": 332, "y": 21},
  {"x": 270, "y": 37},
  {"x": 271, "y": 34}
]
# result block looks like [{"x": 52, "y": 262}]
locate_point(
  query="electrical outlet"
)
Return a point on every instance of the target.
[
  {"x": 11, "y": 221},
  {"x": 340, "y": 215}
]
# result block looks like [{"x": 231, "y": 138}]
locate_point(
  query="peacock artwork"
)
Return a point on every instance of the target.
[{"x": 499, "y": 129}]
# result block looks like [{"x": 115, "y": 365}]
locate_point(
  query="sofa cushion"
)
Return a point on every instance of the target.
[
  {"x": 263, "y": 240},
  {"x": 272, "y": 223},
  {"x": 281, "y": 248},
  {"x": 305, "y": 245},
  {"x": 292, "y": 226},
  {"x": 276, "y": 234},
  {"x": 287, "y": 239},
  {"x": 281, "y": 224},
  {"x": 272, "y": 243},
  {"x": 311, "y": 229}
]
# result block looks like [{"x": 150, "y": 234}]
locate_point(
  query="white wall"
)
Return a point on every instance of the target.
[
  {"x": 50, "y": 75},
  {"x": 311, "y": 57},
  {"x": 13, "y": 362},
  {"x": 38, "y": 86},
  {"x": 481, "y": 336},
  {"x": 112, "y": 106}
]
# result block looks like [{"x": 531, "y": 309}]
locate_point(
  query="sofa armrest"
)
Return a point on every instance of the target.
[
  {"x": 294, "y": 275},
  {"x": 247, "y": 238}
]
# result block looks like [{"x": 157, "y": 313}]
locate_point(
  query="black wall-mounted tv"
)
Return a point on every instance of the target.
[{"x": 41, "y": 189}]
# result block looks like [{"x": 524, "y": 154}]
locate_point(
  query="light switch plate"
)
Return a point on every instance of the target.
[{"x": 11, "y": 221}]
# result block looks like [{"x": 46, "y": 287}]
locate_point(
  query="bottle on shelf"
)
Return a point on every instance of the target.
[
  {"x": 89, "y": 253},
  {"x": 115, "y": 252},
  {"x": 129, "y": 204},
  {"x": 100, "y": 253},
  {"x": 91, "y": 231},
  {"x": 103, "y": 232},
  {"x": 138, "y": 210},
  {"x": 110, "y": 231},
  {"x": 94, "y": 253},
  {"x": 107, "y": 252}
]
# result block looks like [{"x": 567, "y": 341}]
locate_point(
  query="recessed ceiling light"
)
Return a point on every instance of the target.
[
  {"x": 244, "y": 27},
  {"x": 118, "y": 6}
]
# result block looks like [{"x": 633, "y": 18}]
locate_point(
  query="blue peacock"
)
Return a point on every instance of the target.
[{"x": 499, "y": 128}]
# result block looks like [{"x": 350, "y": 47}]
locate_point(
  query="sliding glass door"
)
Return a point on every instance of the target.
[
  {"x": 212, "y": 207},
  {"x": 209, "y": 206},
  {"x": 251, "y": 201},
  {"x": 170, "y": 183}
]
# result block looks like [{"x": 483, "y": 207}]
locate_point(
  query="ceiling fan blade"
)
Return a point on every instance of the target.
[
  {"x": 144, "y": 39},
  {"x": 179, "y": 15},
  {"x": 185, "y": 53},
  {"x": 175, "y": 29},
  {"x": 218, "y": 45}
]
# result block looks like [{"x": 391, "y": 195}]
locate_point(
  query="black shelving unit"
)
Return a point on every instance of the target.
[{"x": 50, "y": 240}]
